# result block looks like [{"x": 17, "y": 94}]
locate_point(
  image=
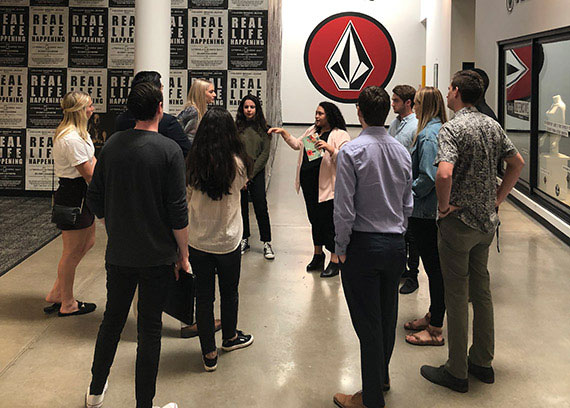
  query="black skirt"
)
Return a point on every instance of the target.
[{"x": 71, "y": 193}]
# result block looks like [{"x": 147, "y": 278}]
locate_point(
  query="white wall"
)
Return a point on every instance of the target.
[
  {"x": 438, "y": 41},
  {"x": 300, "y": 17},
  {"x": 494, "y": 23}
]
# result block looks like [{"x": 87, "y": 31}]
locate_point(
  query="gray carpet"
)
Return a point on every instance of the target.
[{"x": 25, "y": 227}]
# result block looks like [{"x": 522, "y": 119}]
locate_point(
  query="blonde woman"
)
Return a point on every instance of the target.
[
  {"x": 200, "y": 95},
  {"x": 74, "y": 160},
  {"x": 430, "y": 111}
]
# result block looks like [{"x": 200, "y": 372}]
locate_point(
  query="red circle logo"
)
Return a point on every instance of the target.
[{"x": 347, "y": 52}]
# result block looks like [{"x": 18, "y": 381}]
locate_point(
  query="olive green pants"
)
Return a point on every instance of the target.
[{"x": 464, "y": 253}]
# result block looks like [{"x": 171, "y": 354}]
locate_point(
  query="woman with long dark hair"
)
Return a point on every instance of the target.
[
  {"x": 217, "y": 168},
  {"x": 430, "y": 111},
  {"x": 316, "y": 176},
  {"x": 252, "y": 130},
  {"x": 74, "y": 161}
]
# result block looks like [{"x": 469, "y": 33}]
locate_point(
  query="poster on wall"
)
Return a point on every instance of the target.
[
  {"x": 248, "y": 4},
  {"x": 39, "y": 159},
  {"x": 121, "y": 38},
  {"x": 13, "y": 97},
  {"x": 48, "y": 37},
  {"x": 247, "y": 47},
  {"x": 207, "y": 46},
  {"x": 178, "y": 90},
  {"x": 91, "y": 81},
  {"x": 88, "y": 37},
  {"x": 179, "y": 4},
  {"x": 121, "y": 3},
  {"x": 208, "y": 4},
  {"x": 59, "y": 3},
  {"x": 14, "y": 3},
  {"x": 119, "y": 83},
  {"x": 220, "y": 80},
  {"x": 46, "y": 87},
  {"x": 242, "y": 83},
  {"x": 88, "y": 3},
  {"x": 14, "y": 36},
  {"x": 178, "y": 35},
  {"x": 12, "y": 150}
]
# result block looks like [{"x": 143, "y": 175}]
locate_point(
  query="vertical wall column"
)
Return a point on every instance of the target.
[{"x": 152, "y": 39}]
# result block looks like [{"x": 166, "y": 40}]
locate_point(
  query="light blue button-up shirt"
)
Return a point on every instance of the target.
[
  {"x": 404, "y": 130},
  {"x": 373, "y": 190}
]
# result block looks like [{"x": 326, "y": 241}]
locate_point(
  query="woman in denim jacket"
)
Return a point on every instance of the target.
[{"x": 430, "y": 111}]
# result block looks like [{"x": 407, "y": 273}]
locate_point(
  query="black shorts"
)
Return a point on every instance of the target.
[{"x": 71, "y": 193}]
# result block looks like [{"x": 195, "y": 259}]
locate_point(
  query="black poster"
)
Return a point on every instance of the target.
[
  {"x": 208, "y": 4},
  {"x": 247, "y": 40},
  {"x": 49, "y": 2},
  {"x": 46, "y": 87},
  {"x": 121, "y": 3},
  {"x": 14, "y": 36},
  {"x": 118, "y": 85},
  {"x": 218, "y": 77},
  {"x": 13, "y": 97},
  {"x": 87, "y": 37},
  {"x": 12, "y": 153},
  {"x": 178, "y": 36},
  {"x": 121, "y": 38}
]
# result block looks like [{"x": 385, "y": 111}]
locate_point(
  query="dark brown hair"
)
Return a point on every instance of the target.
[
  {"x": 470, "y": 86},
  {"x": 374, "y": 104},
  {"x": 405, "y": 92}
]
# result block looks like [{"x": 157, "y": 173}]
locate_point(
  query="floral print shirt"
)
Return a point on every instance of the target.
[{"x": 475, "y": 144}]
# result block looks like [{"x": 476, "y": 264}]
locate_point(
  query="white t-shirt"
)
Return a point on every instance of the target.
[
  {"x": 69, "y": 151},
  {"x": 216, "y": 226}
]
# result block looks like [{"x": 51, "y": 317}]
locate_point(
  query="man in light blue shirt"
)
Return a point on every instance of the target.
[
  {"x": 372, "y": 203},
  {"x": 404, "y": 128}
]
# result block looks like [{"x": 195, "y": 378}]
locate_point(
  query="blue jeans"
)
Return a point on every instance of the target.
[{"x": 370, "y": 277}]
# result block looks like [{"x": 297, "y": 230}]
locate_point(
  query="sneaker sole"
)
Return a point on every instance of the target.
[
  {"x": 210, "y": 369},
  {"x": 238, "y": 346},
  {"x": 87, "y": 405},
  {"x": 270, "y": 257}
]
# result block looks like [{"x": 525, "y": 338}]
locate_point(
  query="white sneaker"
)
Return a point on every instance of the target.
[
  {"x": 95, "y": 401},
  {"x": 169, "y": 405},
  {"x": 268, "y": 251},
  {"x": 244, "y": 246}
]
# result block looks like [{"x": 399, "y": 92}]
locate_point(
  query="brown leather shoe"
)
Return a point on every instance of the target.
[{"x": 349, "y": 401}]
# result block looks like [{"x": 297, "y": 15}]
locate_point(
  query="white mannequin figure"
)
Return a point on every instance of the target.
[{"x": 556, "y": 114}]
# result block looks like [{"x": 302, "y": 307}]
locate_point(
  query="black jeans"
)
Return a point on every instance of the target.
[
  {"x": 256, "y": 188},
  {"x": 370, "y": 277},
  {"x": 205, "y": 266},
  {"x": 320, "y": 214},
  {"x": 425, "y": 233},
  {"x": 413, "y": 256},
  {"x": 153, "y": 289}
]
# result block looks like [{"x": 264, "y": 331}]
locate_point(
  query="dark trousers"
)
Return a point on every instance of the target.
[
  {"x": 153, "y": 289},
  {"x": 425, "y": 233},
  {"x": 370, "y": 277},
  {"x": 413, "y": 256},
  {"x": 256, "y": 189},
  {"x": 320, "y": 214},
  {"x": 205, "y": 266}
]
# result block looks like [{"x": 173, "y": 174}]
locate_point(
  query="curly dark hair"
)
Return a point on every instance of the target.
[
  {"x": 334, "y": 117},
  {"x": 210, "y": 165},
  {"x": 258, "y": 121}
]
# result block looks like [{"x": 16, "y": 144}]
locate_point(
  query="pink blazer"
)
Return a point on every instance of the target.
[{"x": 327, "y": 173}]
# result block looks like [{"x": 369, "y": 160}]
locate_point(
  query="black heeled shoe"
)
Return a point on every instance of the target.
[
  {"x": 332, "y": 270},
  {"x": 317, "y": 263}
]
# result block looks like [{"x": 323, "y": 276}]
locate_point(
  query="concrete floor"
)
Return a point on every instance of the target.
[{"x": 305, "y": 348}]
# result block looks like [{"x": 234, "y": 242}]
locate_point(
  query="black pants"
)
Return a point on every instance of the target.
[
  {"x": 256, "y": 188},
  {"x": 205, "y": 266},
  {"x": 370, "y": 277},
  {"x": 425, "y": 233},
  {"x": 413, "y": 256},
  {"x": 320, "y": 214},
  {"x": 153, "y": 289}
]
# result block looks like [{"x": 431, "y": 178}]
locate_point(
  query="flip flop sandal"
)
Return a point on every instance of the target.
[
  {"x": 419, "y": 342},
  {"x": 84, "y": 308},
  {"x": 52, "y": 309}
]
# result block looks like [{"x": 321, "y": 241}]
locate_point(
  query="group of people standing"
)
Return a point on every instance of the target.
[{"x": 168, "y": 204}]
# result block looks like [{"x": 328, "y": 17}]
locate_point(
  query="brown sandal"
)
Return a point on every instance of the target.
[
  {"x": 415, "y": 340},
  {"x": 413, "y": 325}
]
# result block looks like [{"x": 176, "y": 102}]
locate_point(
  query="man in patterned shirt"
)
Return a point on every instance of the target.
[{"x": 470, "y": 148}]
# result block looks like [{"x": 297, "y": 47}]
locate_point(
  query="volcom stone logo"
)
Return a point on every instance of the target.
[
  {"x": 349, "y": 65},
  {"x": 347, "y": 52}
]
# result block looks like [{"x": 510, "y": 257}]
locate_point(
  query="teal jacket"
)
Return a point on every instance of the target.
[{"x": 423, "y": 171}]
